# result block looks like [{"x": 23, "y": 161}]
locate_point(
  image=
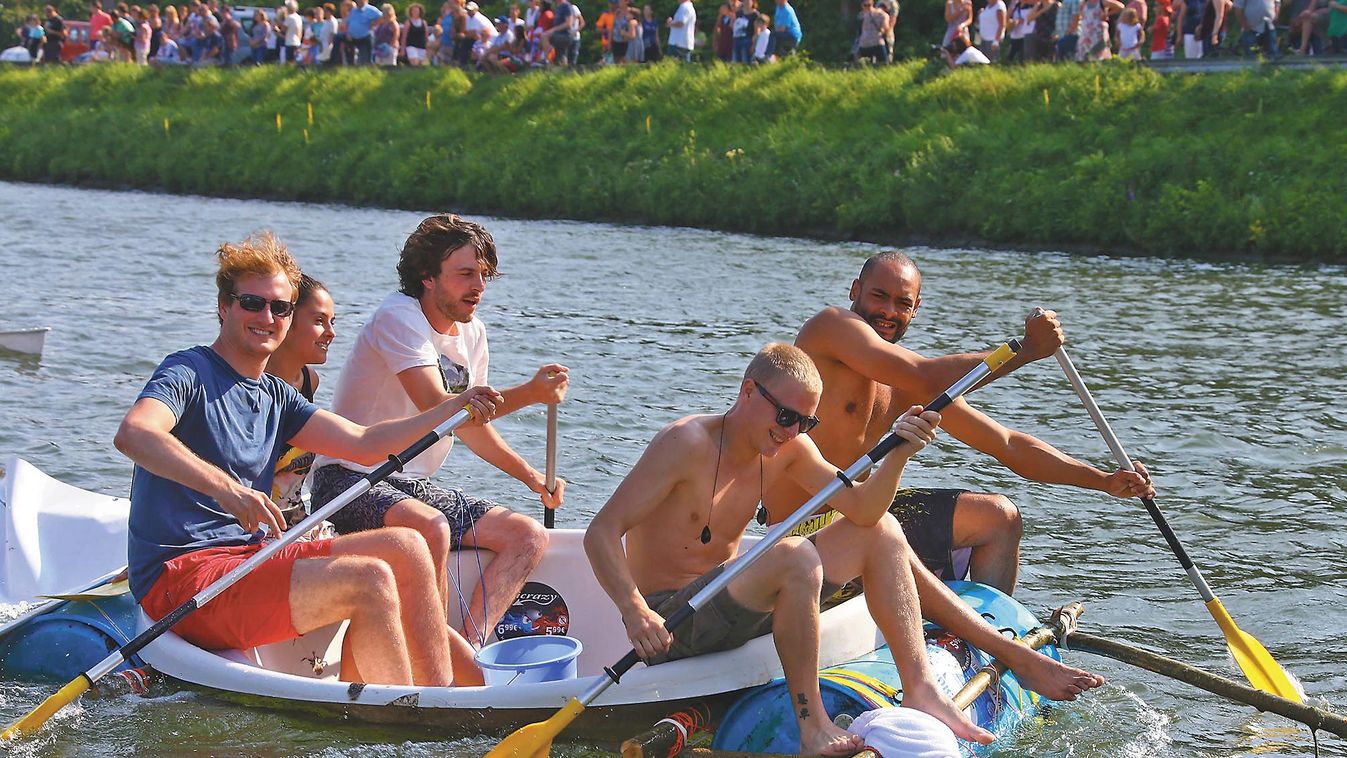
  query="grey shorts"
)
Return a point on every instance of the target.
[
  {"x": 927, "y": 517},
  {"x": 722, "y": 624},
  {"x": 368, "y": 511}
]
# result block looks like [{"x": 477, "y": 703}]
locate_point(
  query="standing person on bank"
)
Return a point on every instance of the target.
[
  {"x": 1258, "y": 19},
  {"x": 414, "y": 35},
  {"x": 682, "y": 31},
  {"x": 992, "y": 29},
  {"x": 54, "y": 26},
  {"x": 359, "y": 28},
  {"x": 786, "y": 31},
  {"x": 650, "y": 34},
  {"x": 873, "y": 24}
]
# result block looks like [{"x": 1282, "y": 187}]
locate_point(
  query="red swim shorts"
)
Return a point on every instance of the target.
[{"x": 254, "y": 611}]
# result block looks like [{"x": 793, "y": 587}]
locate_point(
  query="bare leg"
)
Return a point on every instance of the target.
[
  {"x": 350, "y": 671},
  {"x": 787, "y": 580},
  {"x": 327, "y": 590},
  {"x": 849, "y": 551},
  {"x": 434, "y": 528},
  {"x": 1035, "y": 671},
  {"x": 466, "y": 671},
  {"x": 416, "y": 603},
  {"x": 519, "y": 543},
  {"x": 991, "y": 525}
]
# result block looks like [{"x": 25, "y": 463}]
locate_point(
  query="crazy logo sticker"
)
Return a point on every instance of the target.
[{"x": 539, "y": 609}]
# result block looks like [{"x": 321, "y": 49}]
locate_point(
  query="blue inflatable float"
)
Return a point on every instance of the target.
[
  {"x": 763, "y": 721},
  {"x": 60, "y": 645}
]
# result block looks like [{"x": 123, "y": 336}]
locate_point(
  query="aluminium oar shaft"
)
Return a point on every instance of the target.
[
  {"x": 76, "y": 687},
  {"x": 550, "y": 514}
]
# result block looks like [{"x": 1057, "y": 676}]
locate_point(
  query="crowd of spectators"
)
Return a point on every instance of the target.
[
  {"x": 546, "y": 33},
  {"x": 356, "y": 33},
  {"x": 1013, "y": 31}
]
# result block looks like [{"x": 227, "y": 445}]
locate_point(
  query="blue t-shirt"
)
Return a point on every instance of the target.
[
  {"x": 232, "y": 421},
  {"x": 562, "y": 17},
  {"x": 785, "y": 18},
  {"x": 359, "y": 21}
]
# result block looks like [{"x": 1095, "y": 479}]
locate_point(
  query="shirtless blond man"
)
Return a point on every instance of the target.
[
  {"x": 870, "y": 380},
  {"x": 683, "y": 509}
]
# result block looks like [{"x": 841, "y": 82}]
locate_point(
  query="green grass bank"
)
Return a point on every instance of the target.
[{"x": 1109, "y": 157}]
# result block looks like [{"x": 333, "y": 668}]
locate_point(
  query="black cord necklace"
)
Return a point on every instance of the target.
[{"x": 715, "y": 480}]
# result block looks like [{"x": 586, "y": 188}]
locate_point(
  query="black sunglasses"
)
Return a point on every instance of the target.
[
  {"x": 255, "y": 304},
  {"x": 787, "y": 417}
]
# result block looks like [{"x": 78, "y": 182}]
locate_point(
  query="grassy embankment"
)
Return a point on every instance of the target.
[{"x": 1110, "y": 157}]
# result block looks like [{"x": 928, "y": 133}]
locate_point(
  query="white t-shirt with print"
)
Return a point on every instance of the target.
[{"x": 396, "y": 338}]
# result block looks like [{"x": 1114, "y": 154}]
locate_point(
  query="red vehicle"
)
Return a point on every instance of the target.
[{"x": 77, "y": 40}]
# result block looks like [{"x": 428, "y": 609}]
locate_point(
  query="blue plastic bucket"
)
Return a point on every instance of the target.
[{"x": 522, "y": 660}]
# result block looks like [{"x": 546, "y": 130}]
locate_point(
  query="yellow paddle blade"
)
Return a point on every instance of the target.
[
  {"x": 34, "y": 720},
  {"x": 95, "y": 593},
  {"x": 535, "y": 740},
  {"x": 1254, "y": 660}
]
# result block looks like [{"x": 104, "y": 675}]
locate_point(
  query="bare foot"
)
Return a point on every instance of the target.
[
  {"x": 829, "y": 739},
  {"x": 935, "y": 703},
  {"x": 1051, "y": 678}
]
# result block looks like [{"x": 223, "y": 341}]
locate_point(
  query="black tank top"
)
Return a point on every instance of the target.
[
  {"x": 416, "y": 37},
  {"x": 306, "y": 384}
]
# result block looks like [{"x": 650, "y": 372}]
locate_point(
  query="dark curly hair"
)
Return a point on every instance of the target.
[{"x": 433, "y": 241}]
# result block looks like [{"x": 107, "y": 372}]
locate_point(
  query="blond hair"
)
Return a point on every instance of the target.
[
  {"x": 779, "y": 359},
  {"x": 261, "y": 254}
]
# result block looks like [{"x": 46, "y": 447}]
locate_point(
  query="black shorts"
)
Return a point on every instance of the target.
[
  {"x": 368, "y": 511},
  {"x": 620, "y": 50},
  {"x": 561, "y": 42},
  {"x": 927, "y": 517},
  {"x": 721, "y": 624},
  {"x": 875, "y": 53}
]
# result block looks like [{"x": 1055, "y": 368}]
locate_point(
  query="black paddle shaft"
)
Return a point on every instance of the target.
[{"x": 1170, "y": 536}]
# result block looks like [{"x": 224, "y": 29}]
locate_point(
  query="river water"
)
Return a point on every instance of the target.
[{"x": 1224, "y": 378}]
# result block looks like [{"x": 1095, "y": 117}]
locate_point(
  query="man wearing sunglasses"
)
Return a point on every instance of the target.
[
  {"x": 204, "y": 435},
  {"x": 869, "y": 380},
  {"x": 682, "y": 511}
]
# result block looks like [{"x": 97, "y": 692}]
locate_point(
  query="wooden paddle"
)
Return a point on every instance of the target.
[
  {"x": 1254, "y": 660},
  {"x": 535, "y": 740},
  {"x": 67, "y": 694},
  {"x": 55, "y": 601},
  {"x": 550, "y": 514}
]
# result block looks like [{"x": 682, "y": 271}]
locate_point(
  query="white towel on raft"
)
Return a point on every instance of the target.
[{"x": 905, "y": 733}]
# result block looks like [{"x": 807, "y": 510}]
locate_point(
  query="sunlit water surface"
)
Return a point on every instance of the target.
[{"x": 1225, "y": 378}]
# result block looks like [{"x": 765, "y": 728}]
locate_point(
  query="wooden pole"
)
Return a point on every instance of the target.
[{"x": 1314, "y": 718}]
